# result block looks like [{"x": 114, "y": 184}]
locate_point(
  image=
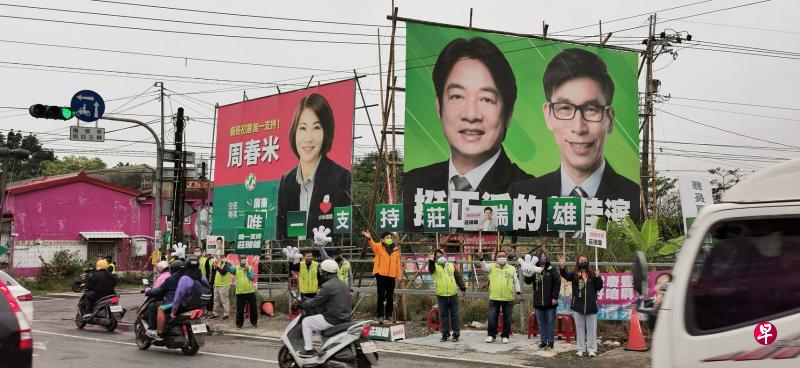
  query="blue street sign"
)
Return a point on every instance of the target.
[{"x": 87, "y": 105}]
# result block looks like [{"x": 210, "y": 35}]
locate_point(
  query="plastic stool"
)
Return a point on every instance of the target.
[
  {"x": 500, "y": 325},
  {"x": 433, "y": 319},
  {"x": 565, "y": 327},
  {"x": 533, "y": 325}
]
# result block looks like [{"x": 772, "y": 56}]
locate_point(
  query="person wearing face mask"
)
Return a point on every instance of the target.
[
  {"x": 308, "y": 270},
  {"x": 386, "y": 268},
  {"x": 585, "y": 286},
  {"x": 207, "y": 270},
  {"x": 546, "y": 288},
  {"x": 504, "y": 291},
  {"x": 245, "y": 292},
  {"x": 331, "y": 305},
  {"x": 344, "y": 273},
  {"x": 448, "y": 281}
]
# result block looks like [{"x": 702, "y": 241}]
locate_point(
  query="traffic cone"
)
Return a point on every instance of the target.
[{"x": 635, "y": 337}]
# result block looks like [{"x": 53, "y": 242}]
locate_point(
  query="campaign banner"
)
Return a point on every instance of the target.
[
  {"x": 215, "y": 244},
  {"x": 695, "y": 194},
  {"x": 500, "y": 117},
  {"x": 614, "y": 300},
  {"x": 266, "y": 147}
]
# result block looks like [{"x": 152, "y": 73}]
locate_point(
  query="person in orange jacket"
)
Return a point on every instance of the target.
[{"x": 386, "y": 268}]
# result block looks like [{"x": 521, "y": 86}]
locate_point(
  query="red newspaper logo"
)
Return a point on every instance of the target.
[{"x": 765, "y": 333}]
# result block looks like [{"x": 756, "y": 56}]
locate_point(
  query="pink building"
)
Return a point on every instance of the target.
[{"x": 79, "y": 213}]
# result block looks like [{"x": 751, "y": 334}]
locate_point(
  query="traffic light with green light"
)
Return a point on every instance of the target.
[{"x": 40, "y": 111}]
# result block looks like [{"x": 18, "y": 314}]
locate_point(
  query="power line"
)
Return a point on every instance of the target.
[
  {"x": 738, "y": 146},
  {"x": 735, "y": 103},
  {"x": 725, "y": 130},
  {"x": 239, "y": 14},
  {"x": 733, "y": 112},
  {"x": 633, "y": 16},
  {"x": 160, "y": 30},
  {"x": 738, "y": 26},
  {"x": 194, "y": 23},
  {"x": 185, "y": 58}
]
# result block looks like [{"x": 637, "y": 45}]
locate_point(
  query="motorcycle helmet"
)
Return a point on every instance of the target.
[
  {"x": 192, "y": 263},
  {"x": 161, "y": 266},
  {"x": 329, "y": 266},
  {"x": 101, "y": 264},
  {"x": 175, "y": 266}
]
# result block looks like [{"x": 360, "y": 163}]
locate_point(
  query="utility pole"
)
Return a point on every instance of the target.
[
  {"x": 159, "y": 181},
  {"x": 648, "y": 165},
  {"x": 179, "y": 183}
]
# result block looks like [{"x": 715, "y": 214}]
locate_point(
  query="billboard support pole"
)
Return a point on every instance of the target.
[{"x": 648, "y": 168}]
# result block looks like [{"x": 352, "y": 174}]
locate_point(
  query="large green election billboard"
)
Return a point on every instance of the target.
[{"x": 492, "y": 116}]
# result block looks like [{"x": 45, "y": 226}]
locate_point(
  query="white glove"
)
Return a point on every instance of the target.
[
  {"x": 292, "y": 253},
  {"x": 179, "y": 250},
  {"x": 528, "y": 265},
  {"x": 321, "y": 235}
]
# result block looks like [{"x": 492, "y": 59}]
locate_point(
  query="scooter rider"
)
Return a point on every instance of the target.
[
  {"x": 167, "y": 292},
  {"x": 332, "y": 300},
  {"x": 100, "y": 284}
]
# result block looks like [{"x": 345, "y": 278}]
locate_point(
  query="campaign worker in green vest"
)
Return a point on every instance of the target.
[
  {"x": 245, "y": 291},
  {"x": 222, "y": 287},
  {"x": 504, "y": 291},
  {"x": 308, "y": 269},
  {"x": 345, "y": 273},
  {"x": 208, "y": 271},
  {"x": 448, "y": 281}
]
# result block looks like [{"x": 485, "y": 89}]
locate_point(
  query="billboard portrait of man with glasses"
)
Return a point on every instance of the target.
[{"x": 578, "y": 111}]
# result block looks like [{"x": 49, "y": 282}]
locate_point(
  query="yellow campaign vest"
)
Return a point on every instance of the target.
[
  {"x": 223, "y": 280},
  {"x": 308, "y": 278},
  {"x": 344, "y": 272},
  {"x": 501, "y": 283},
  {"x": 243, "y": 284},
  {"x": 203, "y": 261},
  {"x": 444, "y": 280}
]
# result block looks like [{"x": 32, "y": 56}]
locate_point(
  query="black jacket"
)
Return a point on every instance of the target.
[
  {"x": 434, "y": 177},
  {"x": 612, "y": 186},
  {"x": 166, "y": 291},
  {"x": 331, "y": 179},
  {"x": 584, "y": 295},
  {"x": 546, "y": 286},
  {"x": 102, "y": 283},
  {"x": 456, "y": 274},
  {"x": 332, "y": 301}
]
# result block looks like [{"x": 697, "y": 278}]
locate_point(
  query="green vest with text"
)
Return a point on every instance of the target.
[
  {"x": 444, "y": 280},
  {"x": 308, "y": 278},
  {"x": 344, "y": 272},
  {"x": 501, "y": 283},
  {"x": 243, "y": 284},
  {"x": 203, "y": 261}
]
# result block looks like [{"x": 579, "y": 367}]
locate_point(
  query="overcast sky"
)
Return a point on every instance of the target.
[{"x": 764, "y": 74}]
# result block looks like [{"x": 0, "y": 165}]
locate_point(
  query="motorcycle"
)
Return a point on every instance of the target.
[
  {"x": 106, "y": 312},
  {"x": 346, "y": 345},
  {"x": 186, "y": 331},
  {"x": 79, "y": 282}
]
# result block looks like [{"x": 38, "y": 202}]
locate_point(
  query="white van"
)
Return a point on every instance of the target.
[{"x": 739, "y": 267}]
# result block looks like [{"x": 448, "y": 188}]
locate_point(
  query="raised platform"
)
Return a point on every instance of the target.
[{"x": 387, "y": 331}]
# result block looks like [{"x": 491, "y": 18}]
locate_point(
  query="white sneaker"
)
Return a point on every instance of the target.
[
  {"x": 489, "y": 339},
  {"x": 505, "y": 340},
  {"x": 580, "y": 354},
  {"x": 592, "y": 354}
]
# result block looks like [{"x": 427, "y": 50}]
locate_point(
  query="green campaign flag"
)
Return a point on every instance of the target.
[
  {"x": 3, "y": 250},
  {"x": 436, "y": 219},
  {"x": 388, "y": 217},
  {"x": 565, "y": 214},
  {"x": 296, "y": 223},
  {"x": 503, "y": 213},
  {"x": 343, "y": 220},
  {"x": 248, "y": 241}
]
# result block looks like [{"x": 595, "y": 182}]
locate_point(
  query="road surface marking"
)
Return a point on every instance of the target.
[
  {"x": 422, "y": 355},
  {"x": 130, "y": 343}
]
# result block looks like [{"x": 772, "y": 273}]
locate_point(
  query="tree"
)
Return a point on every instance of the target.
[
  {"x": 31, "y": 167},
  {"x": 363, "y": 176},
  {"x": 72, "y": 164},
  {"x": 647, "y": 239},
  {"x": 724, "y": 180},
  {"x": 670, "y": 217}
]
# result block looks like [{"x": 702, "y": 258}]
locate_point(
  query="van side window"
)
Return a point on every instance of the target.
[{"x": 747, "y": 271}]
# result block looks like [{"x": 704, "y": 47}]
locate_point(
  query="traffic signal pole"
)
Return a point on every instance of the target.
[{"x": 159, "y": 164}]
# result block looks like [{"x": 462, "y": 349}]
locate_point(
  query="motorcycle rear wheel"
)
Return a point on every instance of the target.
[
  {"x": 193, "y": 347},
  {"x": 285, "y": 359},
  {"x": 76, "y": 287},
  {"x": 111, "y": 326}
]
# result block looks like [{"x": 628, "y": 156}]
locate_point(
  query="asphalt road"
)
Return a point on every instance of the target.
[{"x": 58, "y": 343}]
